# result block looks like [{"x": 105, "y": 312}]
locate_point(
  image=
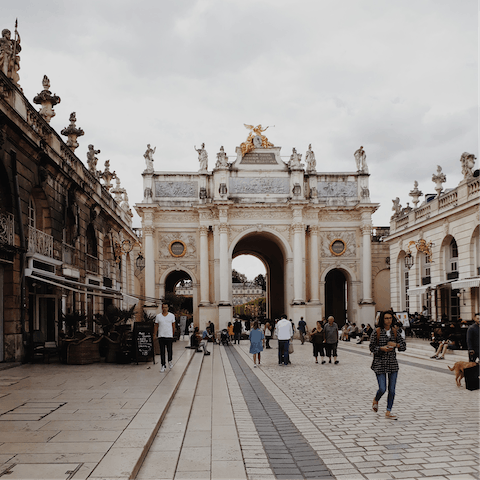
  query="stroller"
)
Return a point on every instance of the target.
[{"x": 225, "y": 338}]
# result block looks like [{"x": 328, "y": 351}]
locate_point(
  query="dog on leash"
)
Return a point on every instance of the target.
[{"x": 459, "y": 368}]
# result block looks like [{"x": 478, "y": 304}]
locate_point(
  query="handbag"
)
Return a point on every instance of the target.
[{"x": 290, "y": 348}]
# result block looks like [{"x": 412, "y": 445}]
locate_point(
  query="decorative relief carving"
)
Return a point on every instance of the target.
[
  {"x": 259, "y": 185},
  {"x": 208, "y": 215},
  {"x": 347, "y": 237},
  {"x": 187, "y": 239},
  {"x": 340, "y": 216},
  {"x": 177, "y": 217},
  {"x": 175, "y": 189},
  {"x": 268, "y": 214},
  {"x": 337, "y": 189}
]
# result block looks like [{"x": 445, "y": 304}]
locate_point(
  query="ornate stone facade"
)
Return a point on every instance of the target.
[{"x": 196, "y": 223}]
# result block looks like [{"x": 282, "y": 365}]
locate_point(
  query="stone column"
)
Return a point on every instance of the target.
[
  {"x": 225, "y": 282},
  {"x": 204, "y": 279},
  {"x": 314, "y": 264},
  {"x": 367, "y": 263},
  {"x": 298, "y": 248},
  {"x": 148, "y": 232}
]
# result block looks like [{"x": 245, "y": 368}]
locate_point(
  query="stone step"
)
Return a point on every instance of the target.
[
  {"x": 126, "y": 455},
  {"x": 163, "y": 450}
]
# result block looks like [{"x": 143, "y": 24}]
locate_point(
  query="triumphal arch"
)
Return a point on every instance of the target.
[{"x": 312, "y": 231}]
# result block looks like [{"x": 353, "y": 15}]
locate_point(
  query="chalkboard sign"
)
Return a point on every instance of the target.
[{"x": 143, "y": 342}]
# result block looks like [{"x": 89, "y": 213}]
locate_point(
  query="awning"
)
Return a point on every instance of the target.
[
  {"x": 72, "y": 285},
  {"x": 418, "y": 290},
  {"x": 467, "y": 283}
]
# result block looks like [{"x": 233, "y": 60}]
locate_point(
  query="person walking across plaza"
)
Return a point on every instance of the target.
[
  {"x": 473, "y": 338},
  {"x": 383, "y": 342},
  {"x": 284, "y": 333},
  {"x": 268, "y": 335},
  {"x": 237, "y": 331},
  {"x": 230, "y": 331},
  {"x": 301, "y": 329},
  {"x": 257, "y": 342},
  {"x": 317, "y": 338},
  {"x": 165, "y": 329},
  {"x": 331, "y": 339}
]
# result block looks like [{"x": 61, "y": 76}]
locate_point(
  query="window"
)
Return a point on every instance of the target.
[
  {"x": 31, "y": 213},
  {"x": 452, "y": 260},
  {"x": 426, "y": 267}
]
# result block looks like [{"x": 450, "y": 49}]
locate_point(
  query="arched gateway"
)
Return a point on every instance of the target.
[{"x": 311, "y": 230}]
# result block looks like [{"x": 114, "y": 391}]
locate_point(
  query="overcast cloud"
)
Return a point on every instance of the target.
[{"x": 399, "y": 78}]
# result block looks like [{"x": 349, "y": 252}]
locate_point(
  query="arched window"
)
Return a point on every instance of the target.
[
  {"x": 452, "y": 260},
  {"x": 426, "y": 269}
]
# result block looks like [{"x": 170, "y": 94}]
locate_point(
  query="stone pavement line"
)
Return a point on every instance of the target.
[
  {"x": 255, "y": 459},
  {"x": 335, "y": 460},
  {"x": 436, "y": 436},
  {"x": 162, "y": 457},
  {"x": 290, "y": 455},
  {"x": 106, "y": 415}
]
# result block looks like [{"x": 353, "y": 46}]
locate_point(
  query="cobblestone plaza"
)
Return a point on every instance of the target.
[{"x": 218, "y": 417}]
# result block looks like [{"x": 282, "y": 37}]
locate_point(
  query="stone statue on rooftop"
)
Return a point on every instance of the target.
[
  {"x": 397, "y": 207},
  {"x": 148, "y": 155},
  {"x": 222, "y": 159},
  {"x": 92, "y": 159},
  {"x": 415, "y": 194},
  {"x": 202, "y": 157},
  {"x": 9, "y": 50},
  {"x": 311, "y": 163},
  {"x": 295, "y": 158},
  {"x": 361, "y": 160},
  {"x": 468, "y": 162}
]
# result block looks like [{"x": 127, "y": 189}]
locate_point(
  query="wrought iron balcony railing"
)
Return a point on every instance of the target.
[
  {"x": 40, "y": 242},
  {"x": 91, "y": 263},
  {"x": 7, "y": 229},
  {"x": 70, "y": 256}
]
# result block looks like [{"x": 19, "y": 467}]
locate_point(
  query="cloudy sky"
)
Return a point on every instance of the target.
[{"x": 399, "y": 78}]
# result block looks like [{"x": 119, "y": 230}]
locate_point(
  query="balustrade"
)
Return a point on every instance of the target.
[
  {"x": 39, "y": 242},
  {"x": 91, "y": 263},
  {"x": 449, "y": 200},
  {"x": 7, "y": 229},
  {"x": 69, "y": 255}
]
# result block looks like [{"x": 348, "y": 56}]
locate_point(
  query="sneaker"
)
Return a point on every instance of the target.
[
  {"x": 255, "y": 366},
  {"x": 434, "y": 356},
  {"x": 163, "y": 368},
  {"x": 336, "y": 362},
  {"x": 323, "y": 361},
  {"x": 170, "y": 365}
]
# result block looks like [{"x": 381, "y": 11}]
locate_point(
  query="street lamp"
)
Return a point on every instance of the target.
[
  {"x": 409, "y": 260},
  {"x": 140, "y": 262}
]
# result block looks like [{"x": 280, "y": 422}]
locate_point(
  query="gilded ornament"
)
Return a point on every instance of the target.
[{"x": 255, "y": 139}]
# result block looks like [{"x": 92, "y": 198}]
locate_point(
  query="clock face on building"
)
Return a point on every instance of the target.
[
  {"x": 177, "y": 248},
  {"x": 338, "y": 247}
]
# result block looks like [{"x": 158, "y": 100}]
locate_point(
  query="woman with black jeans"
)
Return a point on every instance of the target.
[{"x": 383, "y": 342}]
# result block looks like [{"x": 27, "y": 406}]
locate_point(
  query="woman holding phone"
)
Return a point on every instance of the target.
[{"x": 385, "y": 339}]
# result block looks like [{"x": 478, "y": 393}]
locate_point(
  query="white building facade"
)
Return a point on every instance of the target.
[
  {"x": 311, "y": 230},
  {"x": 435, "y": 250}
]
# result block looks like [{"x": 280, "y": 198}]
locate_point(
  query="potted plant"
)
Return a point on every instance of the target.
[
  {"x": 115, "y": 332},
  {"x": 78, "y": 348}
]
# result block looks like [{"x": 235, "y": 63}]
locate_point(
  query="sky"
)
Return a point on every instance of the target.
[{"x": 398, "y": 78}]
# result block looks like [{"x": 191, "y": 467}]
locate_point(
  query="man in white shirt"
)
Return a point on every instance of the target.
[
  {"x": 284, "y": 332},
  {"x": 165, "y": 329}
]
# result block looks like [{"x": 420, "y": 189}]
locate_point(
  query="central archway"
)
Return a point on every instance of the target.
[{"x": 265, "y": 246}]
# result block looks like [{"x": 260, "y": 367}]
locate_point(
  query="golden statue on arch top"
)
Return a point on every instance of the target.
[{"x": 255, "y": 139}]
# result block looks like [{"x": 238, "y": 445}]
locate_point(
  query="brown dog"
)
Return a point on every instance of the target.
[{"x": 459, "y": 367}]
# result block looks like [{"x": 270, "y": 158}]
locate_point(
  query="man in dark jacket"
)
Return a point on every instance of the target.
[
  {"x": 237, "y": 331},
  {"x": 473, "y": 333}
]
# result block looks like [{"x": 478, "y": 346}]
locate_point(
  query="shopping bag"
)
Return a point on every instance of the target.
[{"x": 290, "y": 348}]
